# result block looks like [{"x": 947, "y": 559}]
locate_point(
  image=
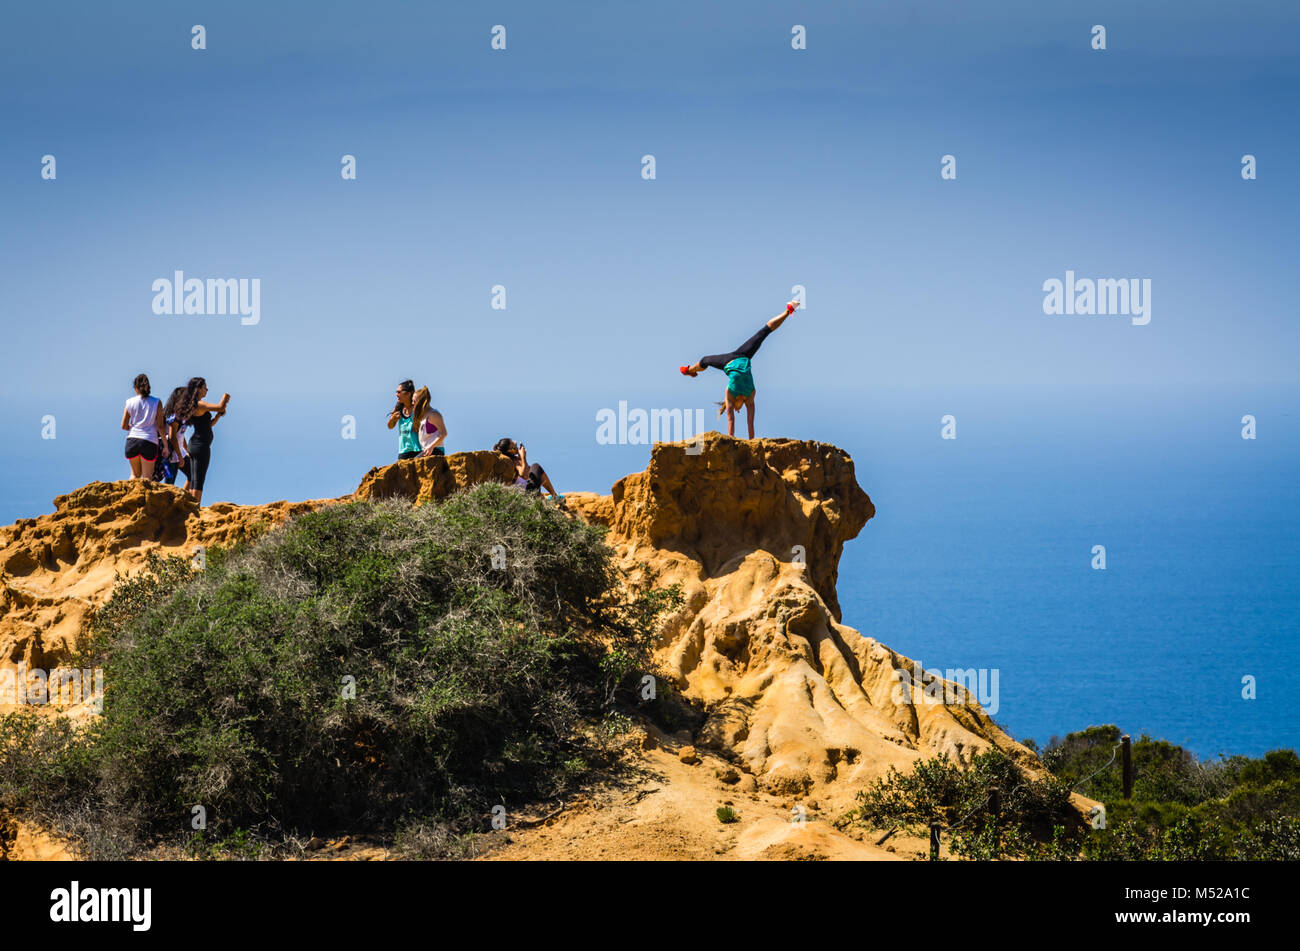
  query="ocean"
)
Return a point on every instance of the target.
[{"x": 981, "y": 555}]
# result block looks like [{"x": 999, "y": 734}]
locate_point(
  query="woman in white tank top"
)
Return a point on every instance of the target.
[
  {"x": 142, "y": 420},
  {"x": 432, "y": 430}
]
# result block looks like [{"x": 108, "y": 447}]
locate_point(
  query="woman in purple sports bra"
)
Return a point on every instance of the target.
[{"x": 432, "y": 430}]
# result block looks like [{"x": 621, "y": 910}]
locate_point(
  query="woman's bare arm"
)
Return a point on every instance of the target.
[{"x": 442, "y": 428}]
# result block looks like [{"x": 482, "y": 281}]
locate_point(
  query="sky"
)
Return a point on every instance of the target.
[
  {"x": 522, "y": 168},
  {"x": 775, "y": 169}
]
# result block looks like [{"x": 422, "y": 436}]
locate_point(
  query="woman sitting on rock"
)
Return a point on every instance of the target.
[
  {"x": 736, "y": 364},
  {"x": 530, "y": 478}
]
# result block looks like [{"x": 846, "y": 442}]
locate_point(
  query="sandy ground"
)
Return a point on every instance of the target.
[
  {"x": 661, "y": 809},
  {"x": 667, "y": 810}
]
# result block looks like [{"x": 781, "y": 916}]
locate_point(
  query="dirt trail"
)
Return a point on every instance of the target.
[{"x": 667, "y": 811}]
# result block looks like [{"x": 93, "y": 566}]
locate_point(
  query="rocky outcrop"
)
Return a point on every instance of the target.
[
  {"x": 54, "y": 567},
  {"x": 426, "y": 479},
  {"x": 716, "y": 501},
  {"x": 753, "y": 531}
]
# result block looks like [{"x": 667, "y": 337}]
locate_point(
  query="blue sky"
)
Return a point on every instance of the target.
[
  {"x": 521, "y": 167},
  {"x": 775, "y": 167}
]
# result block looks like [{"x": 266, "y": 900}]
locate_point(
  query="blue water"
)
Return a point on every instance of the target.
[{"x": 980, "y": 554}]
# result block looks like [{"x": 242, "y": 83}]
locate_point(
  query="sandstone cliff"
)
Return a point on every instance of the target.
[
  {"x": 798, "y": 704},
  {"x": 753, "y": 531}
]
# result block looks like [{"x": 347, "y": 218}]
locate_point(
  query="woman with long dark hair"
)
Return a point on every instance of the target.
[
  {"x": 175, "y": 449},
  {"x": 403, "y": 417},
  {"x": 202, "y": 416},
  {"x": 529, "y": 477}
]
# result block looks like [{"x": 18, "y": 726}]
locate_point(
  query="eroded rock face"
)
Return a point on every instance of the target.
[
  {"x": 753, "y": 531},
  {"x": 717, "y": 500},
  {"x": 54, "y": 567}
]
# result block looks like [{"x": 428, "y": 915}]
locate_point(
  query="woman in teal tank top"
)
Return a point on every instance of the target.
[
  {"x": 403, "y": 417},
  {"x": 738, "y": 366}
]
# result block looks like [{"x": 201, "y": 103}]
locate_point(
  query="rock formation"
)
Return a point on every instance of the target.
[
  {"x": 53, "y": 567},
  {"x": 435, "y": 477},
  {"x": 751, "y": 530}
]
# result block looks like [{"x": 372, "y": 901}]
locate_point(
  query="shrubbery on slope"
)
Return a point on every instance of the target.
[{"x": 364, "y": 667}]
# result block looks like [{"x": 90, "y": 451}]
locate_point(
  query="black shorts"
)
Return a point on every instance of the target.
[
  {"x": 144, "y": 448},
  {"x": 411, "y": 454}
]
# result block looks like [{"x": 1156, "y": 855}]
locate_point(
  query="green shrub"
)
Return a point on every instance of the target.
[
  {"x": 1162, "y": 771},
  {"x": 1034, "y": 817},
  {"x": 359, "y": 666},
  {"x": 1182, "y": 808}
]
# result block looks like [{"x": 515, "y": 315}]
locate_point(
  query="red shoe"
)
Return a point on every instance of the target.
[{"x": 686, "y": 371}]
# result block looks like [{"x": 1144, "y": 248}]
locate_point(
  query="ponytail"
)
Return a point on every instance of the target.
[
  {"x": 420, "y": 405},
  {"x": 141, "y": 384}
]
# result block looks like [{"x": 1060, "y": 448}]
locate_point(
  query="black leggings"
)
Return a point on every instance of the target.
[
  {"x": 195, "y": 466},
  {"x": 746, "y": 349}
]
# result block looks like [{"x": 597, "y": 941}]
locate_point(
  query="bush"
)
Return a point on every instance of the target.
[
  {"x": 362, "y": 667},
  {"x": 1034, "y": 817},
  {"x": 1183, "y": 809},
  {"x": 1162, "y": 771}
]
